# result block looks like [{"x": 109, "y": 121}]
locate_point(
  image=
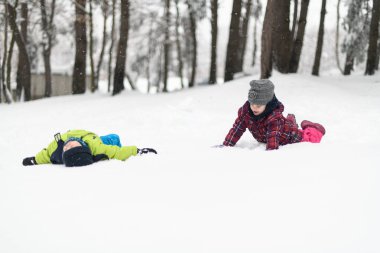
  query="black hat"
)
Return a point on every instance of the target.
[{"x": 77, "y": 156}]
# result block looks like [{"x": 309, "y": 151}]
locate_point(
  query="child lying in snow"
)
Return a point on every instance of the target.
[
  {"x": 262, "y": 115},
  {"x": 81, "y": 147}
]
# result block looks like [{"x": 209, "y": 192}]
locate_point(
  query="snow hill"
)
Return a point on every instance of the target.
[{"x": 191, "y": 197}]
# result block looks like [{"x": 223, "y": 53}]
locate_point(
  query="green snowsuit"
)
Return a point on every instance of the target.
[{"x": 94, "y": 143}]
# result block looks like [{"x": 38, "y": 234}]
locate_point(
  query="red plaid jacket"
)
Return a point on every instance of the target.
[{"x": 274, "y": 129}]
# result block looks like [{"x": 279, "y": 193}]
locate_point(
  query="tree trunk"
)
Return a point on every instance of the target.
[
  {"x": 104, "y": 42},
  {"x": 188, "y": 46},
  {"x": 318, "y": 53},
  {"x": 10, "y": 51},
  {"x": 10, "y": 55},
  {"x": 110, "y": 52},
  {"x": 254, "y": 51},
  {"x": 2, "y": 84},
  {"x": 298, "y": 43},
  {"x": 91, "y": 49},
  {"x": 266, "y": 43},
  {"x": 337, "y": 37},
  {"x": 377, "y": 56},
  {"x": 166, "y": 45},
  {"x": 24, "y": 79},
  {"x": 281, "y": 37},
  {"x": 3, "y": 88},
  {"x": 214, "y": 41},
  {"x": 21, "y": 58},
  {"x": 349, "y": 65},
  {"x": 79, "y": 72},
  {"x": 193, "y": 28},
  {"x": 118, "y": 83},
  {"x": 244, "y": 36},
  {"x": 178, "y": 43},
  {"x": 47, "y": 43},
  {"x": 233, "y": 42},
  {"x": 295, "y": 16},
  {"x": 150, "y": 53},
  {"x": 3, "y": 65},
  {"x": 159, "y": 70},
  {"x": 373, "y": 38},
  {"x": 9, "y": 62}
]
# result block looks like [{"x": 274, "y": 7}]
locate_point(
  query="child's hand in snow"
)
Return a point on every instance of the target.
[
  {"x": 29, "y": 161},
  {"x": 146, "y": 151}
]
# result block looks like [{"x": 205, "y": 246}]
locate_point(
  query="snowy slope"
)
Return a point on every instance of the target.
[{"x": 192, "y": 198}]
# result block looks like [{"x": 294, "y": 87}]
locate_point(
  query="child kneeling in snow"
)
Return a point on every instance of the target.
[
  {"x": 262, "y": 115},
  {"x": 81, "y": 147}
]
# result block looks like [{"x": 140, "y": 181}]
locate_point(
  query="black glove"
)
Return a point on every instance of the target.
[
  {"x": 29, "y": 161},
  {"x": 146, "y": 151}
]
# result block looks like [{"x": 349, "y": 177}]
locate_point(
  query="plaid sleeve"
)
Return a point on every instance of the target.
[
  {"x": 273, "y": 135},
  {"x": 237, "y": 129}
]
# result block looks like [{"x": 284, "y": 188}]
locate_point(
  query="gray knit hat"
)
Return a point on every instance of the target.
[{"x": 261, "y": 92}]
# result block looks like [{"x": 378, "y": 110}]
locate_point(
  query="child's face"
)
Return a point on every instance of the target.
[
  {"x": 257, "y": 109},
  {"x": 70, "y": 145}
]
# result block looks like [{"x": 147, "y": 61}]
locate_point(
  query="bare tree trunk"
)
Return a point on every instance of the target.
[
  {"x": 91, "y": 49},
  {"x": 295, "y": 16},
  {"x": 110, "y": 52},
  {"x": 349, "y": 65},
  {"x": 337, "y": 37},
  {"x": 233, "y": 42},
  {"x": 9, "y": 62},
  {"x": 298, "y": 42},
  {"x": 4, "y": 90},
  {"x": 159, "y": 70},
  {"x": 2, "y": 85},
  {"x": 104, "y": 42},
  {"x": 193, "y": 28},
  {"x": 244, "y": 36},
  {"x": 10, "y": 53},
  {"x": 318, "y": 53},
  {"x": 266, "y": 43},
  {"x": 188, "y": 46},
  {"x": 21, "y": 59},
  {"x": 24, "y": 68},
  {"x": 373, "y": 39},
  {"x": 47, "y": 43},
  {"x": 121, "y": 59},
  {"x": 178, "y": 43},
  {"x": 166, "y": 45},
  {"x": 150, "y": 45},
  {"x": 214, "y": 41},
  {"x": 79, "y": 72},
  {"x": 377, "y": 56},
  {"x": 281, "y": 37},
  {"x": 254, "y": 51},
  {"x": 5, "y": 45}
]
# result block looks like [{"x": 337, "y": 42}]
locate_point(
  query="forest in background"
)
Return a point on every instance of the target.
[{"x": 123, "y": 41}]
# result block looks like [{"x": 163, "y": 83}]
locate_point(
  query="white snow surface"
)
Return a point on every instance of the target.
[{"x": 190, "y": 197}]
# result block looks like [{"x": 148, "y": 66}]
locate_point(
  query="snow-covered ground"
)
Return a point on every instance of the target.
[{"x": 191, "y": 197}]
